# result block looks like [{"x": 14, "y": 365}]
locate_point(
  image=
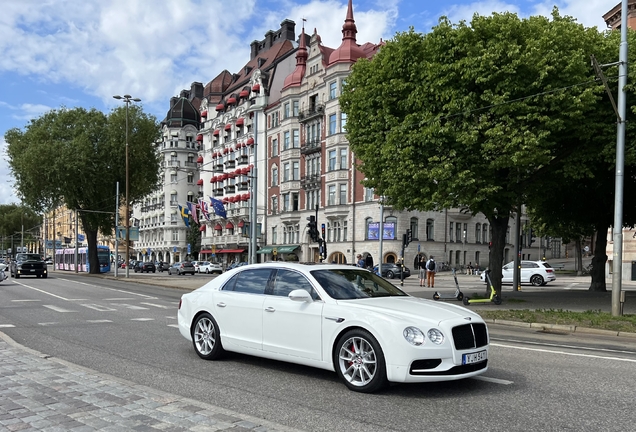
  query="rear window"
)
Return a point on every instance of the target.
[{"x": 188, "y": 264}]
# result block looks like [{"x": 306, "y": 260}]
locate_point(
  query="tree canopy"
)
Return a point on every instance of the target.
[
  {"x": 75, "y": 157},
  {"x": 476, "y": 114}
]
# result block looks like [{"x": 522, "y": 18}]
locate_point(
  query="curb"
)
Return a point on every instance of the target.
[{"x": 562, "y": 328}]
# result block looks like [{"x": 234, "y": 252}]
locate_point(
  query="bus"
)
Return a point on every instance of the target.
[{"x": 65, "y": 259}]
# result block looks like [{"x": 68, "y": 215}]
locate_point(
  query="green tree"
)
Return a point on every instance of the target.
[
  {"x": 75, "y": 157},
  {"x": 18, "y": 224},
  {"x": 472, "y": 114}
]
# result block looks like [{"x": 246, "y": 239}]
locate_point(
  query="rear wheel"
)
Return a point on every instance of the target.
[
  {"x": 536, "y": 280},
  {"x": 390, "y": 274},
  {"x": 496, "y": 300},
  {"x": 460, "y": 296},
  {"x": 465, "y": 300},
  {"x": 206, "y": 337},
  {"x": 45, "y": 276},
  {"x": 359, "y": 361}
]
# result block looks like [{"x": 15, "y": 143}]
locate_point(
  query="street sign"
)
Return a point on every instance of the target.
[
  {"x": 189, "y": 249},
  {"x": 174, "y": 249}
]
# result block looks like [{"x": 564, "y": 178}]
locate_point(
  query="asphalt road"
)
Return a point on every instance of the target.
[{"x": 536, "y": 381}]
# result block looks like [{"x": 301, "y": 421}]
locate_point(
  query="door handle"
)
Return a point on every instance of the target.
[
  {"x": 270, "y": 309},
  {"x": 221, "y": 304}
]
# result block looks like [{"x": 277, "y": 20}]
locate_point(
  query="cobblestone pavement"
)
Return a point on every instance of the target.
[{"x": 46, "y": 394}]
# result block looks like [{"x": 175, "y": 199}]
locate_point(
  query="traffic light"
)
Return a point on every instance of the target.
[
  {"x": 489, "y": 245},
  {"x": 323, "y": 250},
  {"x": 324, "y": 237},
  {"x": 532, "y": 236},
  {"x": 313, "y": 228}
]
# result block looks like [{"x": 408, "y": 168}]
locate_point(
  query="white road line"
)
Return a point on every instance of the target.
[
  {"x": 6, "y": 326},
  {"x": 119, "y": 298},
  {"x": 158, "y": 306},
  {"x": 578, "y": 347},
  {"x": 133, "y": 307},
  {"x": 111, "y": 289},
  {"x": 99, "y": 308},
  {"x": 98, "y": 321},
  {"x": 565, "y": 353},
  {"x": 45, "y": 292},
  {"x": 142, "y": 319},
  {"x": 171, "y": 317},
  {"x": 57, "y": 308},
  {"x": 173, "y": 325},
  {"x": 25, "y": 300},
  {"x": 47, "y": 323},
  {"x": 493, "y": 380}
]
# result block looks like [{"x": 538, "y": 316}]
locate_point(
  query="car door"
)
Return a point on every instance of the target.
[
  {"x": 290, "y": 327},
  {"x": 507, "y": 272},
  {"x": 239, "y": 308}
]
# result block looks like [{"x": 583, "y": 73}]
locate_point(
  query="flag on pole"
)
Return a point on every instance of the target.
[
  {"x": 185, "y": 215},
  {"x": 219, "y": 208},
  {"x": 205, "y": 210},
  {"x": 193, "y": 211}
]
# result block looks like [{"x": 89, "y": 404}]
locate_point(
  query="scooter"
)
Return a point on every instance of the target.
[
  {"x": 494, "y": 297},
  {"x": 458, "y": 295}
]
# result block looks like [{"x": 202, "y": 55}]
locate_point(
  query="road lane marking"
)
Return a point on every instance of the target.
[
  {"x": 98, "y": 321},
  {"x": 142, "y": 319},
  {"x": 493, "y": 380},
  {"x": 47, "y": 323},
  {"x": 99, "y": 308},
  {"x": 111, "y": 289},
  {"x": 564, "y": 353},
  {"x": 26, "y": 300},
  {"x": 119, "y": 298},
  {"x": 133, "y": 307},
  {"x": 583, "y": 348},
  {"x": 46, "y": 292},
  {"x": 158, "y": 306},
  {"x": 58, "y": 309},
  {"x": 7, "y": 326},
  {"x": 173, "y": 325}
]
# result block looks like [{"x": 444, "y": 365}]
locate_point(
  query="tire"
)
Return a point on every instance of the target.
[
  {"x": 460, "y": 296},
  {"x": 390, "y": 274},
  {"x": 359, "y": 361},
  {"x": 536, "y": 280},
  {"x": 17, "y": 276},
  {"x": 496, "y": 300},
  {"x": 436, "y": 296},
  {"x": 207, "y": 271},
  {"x": 465, "y": 300},
  {"x": 206, "y": 337},
  {"x": 45, "y": 275}
]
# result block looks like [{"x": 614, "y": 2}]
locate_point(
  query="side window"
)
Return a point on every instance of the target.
[
  {"x": 286, "y": 281},
  {"x": 249, "y": 281}
]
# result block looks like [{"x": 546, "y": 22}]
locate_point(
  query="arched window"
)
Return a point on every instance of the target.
[
  {"x": 430, "y": 230},
  {"x": 414, "y": 228},
  {"x": 388, "y": 222}
]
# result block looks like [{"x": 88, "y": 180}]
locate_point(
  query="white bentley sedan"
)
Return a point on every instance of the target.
[{"x": 341, "y": 318}]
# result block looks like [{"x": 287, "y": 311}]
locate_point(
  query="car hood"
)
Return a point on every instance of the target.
[{"x": 411, "y": 307}]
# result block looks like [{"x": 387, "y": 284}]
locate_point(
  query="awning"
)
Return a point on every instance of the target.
[
  {"x": 240, "y": 121},
  {"x": 287, "y": 249},
  {"x": 265, "y": 250},
  {"x": 200, "y": 182},
  {"x": 256, "y": 87},
  {"x": 228, "y": 127},
  {"x": 230, "y": 251},
  {"x": 229, "y": 225}
]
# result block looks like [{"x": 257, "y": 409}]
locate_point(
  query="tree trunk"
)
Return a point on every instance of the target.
[
  {"x": 93, "y": 260},
  {"x": 499, "y": 227},
  {"x": 579, "y": 257},
  {"x": 599, "y": 260}
]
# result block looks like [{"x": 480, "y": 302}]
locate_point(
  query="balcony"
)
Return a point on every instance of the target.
[
  {"x": 310, "y": 182},
  {"x": 173, "y": 163},
  {"x": 310, "y": 146},
  {"x": 311, "y": 113}
]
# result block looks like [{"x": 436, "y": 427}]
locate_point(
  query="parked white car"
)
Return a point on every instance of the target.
[
  {"x": 335, "y": 317},
  {"x": 208, "y": 267},
  {"x": 537, "y": 273}
]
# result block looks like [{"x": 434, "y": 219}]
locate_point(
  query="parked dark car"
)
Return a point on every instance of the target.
[
  {"x": 161, "y": 266},
  {"x": 144, "y": 267},
  {"x": 28, "y": 264},
  {"x": 390, "y": 271},
  {"x": 181, "y": 268}
]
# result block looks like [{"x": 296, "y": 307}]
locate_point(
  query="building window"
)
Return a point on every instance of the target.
[
  {"x": 333, "y": 87},
  {"x": 343, "y": 122},
  {"x": 274, "y": 205},
  {"x": 286, "y": 140},
  {"x": 274, "y": 147},
  {"x": 173, "y": 177},
  {"x": 450, "y": 232},
  {"x": 275, "y": 176},
  {"x": 286, "y": 110},
  {"x": 344, "y": 230},
  {"x": 286, "y": 172},
  {"x": 458, "y": 232},
  {"x": 368, "y": 194},
  {"x": 332, "y": 124},
  {"x": 296, "y": 171},
  {"x": 190, "y": 177},
  {"x": 478, "y": 233},
  {"x": 296, "y": 138},
  {"x": 274, "y": 235},
  {"x": 275, "y": 119},
  {"x": 414, "y": 223},
  {"x": 286, "y": 202},
  {"x": 175, "y": 235},
  {"x": 332, "y": 195},
  {"x": 332, "y": 160},
  {"x": 174, "y": 199},
  {"x": 295, "y": 201},
  {"x": 343, "y": 194},
  {"x": 484, "y": 233},
  {"x": 295, "y": 108},
  {"x": 343, "y": 159},
  {"x": 430, "y": 229}
]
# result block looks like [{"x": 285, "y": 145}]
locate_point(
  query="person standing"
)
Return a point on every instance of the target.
[
  {"x": 431, "y": 269},
  {"x": 421, "y": 265},
  {"x": 360, "y": 261}
]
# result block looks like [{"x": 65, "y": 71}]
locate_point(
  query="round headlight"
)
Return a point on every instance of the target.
[
  {"x": 436, "y": 336},
  {"x": 413, "y": 335}
]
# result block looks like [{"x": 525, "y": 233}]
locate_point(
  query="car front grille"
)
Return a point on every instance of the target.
[{"x": 469, "y": 336}]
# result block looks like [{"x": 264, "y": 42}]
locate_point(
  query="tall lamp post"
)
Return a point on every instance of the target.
[{"x": 127, "y": 100}]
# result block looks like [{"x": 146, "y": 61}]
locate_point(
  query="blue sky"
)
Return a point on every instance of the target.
[{"x": 73, "y": 53}]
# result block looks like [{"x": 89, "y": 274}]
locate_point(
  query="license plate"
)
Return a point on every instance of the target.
[{"x": 474, "y": 357}]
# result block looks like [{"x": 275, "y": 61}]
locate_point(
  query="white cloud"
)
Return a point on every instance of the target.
[
  {"x": 7, "y": 192},
  {"x": 589, "y": 13}
]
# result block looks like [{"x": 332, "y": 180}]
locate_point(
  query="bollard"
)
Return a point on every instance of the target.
[{"x": 622, "y": 301}]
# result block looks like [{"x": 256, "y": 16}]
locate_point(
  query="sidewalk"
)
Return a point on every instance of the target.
[{"x": 41, "y": 393}]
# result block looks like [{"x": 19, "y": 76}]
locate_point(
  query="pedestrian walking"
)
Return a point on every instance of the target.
[
  {"x": 431, "y": 269},
  {"x": 421, "y": 265},
  {"x": 360, "y": 261}
]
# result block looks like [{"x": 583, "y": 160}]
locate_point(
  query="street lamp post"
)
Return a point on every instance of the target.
[{"x": 127, "y": 100}]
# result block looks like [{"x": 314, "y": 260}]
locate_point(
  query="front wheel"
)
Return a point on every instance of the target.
[
  {"x": 390, "y": 274},
  {"x": 465, "y": 300},
  {"x": 436, "y": 296},
  {"x": 359, "y": 361},
  {"x": 536, "y": 280},
  {"x": 206, "y": 337},
  {"x": 496, "y": 300},
  {"x": 460, "y": 296}
]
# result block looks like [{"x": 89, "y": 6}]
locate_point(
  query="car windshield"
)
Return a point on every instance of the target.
[
  {"x": 343, "y": 284},
  {"x": 28, "y": 257}
]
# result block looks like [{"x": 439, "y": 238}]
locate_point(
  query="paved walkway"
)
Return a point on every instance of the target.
[{"x": 46, "y": 394}]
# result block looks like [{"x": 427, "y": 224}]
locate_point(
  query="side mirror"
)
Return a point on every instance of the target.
[{"x": 300, "y": 295}]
